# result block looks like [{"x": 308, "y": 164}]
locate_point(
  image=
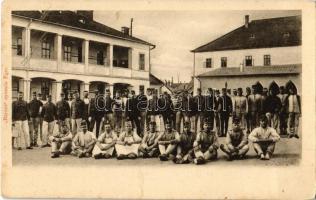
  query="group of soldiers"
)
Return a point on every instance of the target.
[{"x": 131, "y": 125}]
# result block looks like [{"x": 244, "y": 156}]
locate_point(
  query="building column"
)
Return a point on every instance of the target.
[
  {"x": 58, "y": 50},
  {"x": 56, "y": 90},
  {"x": 26, "y": 89},
  {"x": 84, "y": 87},
  {"x": 26, "y": 42},
  {"x": 109, "y": 56},
  {"x": 130, "y": 58},
  {"x": 86, "y": 55},
  {"x": 111, "y": 88}
]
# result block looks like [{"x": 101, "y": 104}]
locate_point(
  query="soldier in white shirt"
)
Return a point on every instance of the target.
[
  {"x": 294, "y": 110},
  {"x": 264, "y": 139},
  {"x": 61, "y": 142},
  {"x": 105, "y": 144},
  {"x": 83, "y": 142}
]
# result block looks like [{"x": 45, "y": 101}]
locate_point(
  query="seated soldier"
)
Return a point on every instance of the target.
[
  {"x": 149, "y": 145},
  {"x": 105, "y": 145},
  {"x": 128, "y": 143},
  {"x": 185, "y": 146},
  {"x": 236, "y": 145},
  {"x": 264, "y": 139},
  {"x": 205, "y": 145},
  {"x": 83, "y": 142},
  {"x": 61, "y": 143},
  {"x": 168, "y": 141}
]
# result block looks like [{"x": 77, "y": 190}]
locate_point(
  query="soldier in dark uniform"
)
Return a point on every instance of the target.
[
  {"x": 49, "y": 119},
  {"x": 63, "y": 112},
  {"x": 264, "y": 106},
  {"x": 132, "y": 112},
  {"x": 217, "y": 116},
  {"x": 240, "y": 108},
  {"x": 185, "y": 151},
  {"x": 208, "y": 111},
  {"x": 205, "y": 145},
  {"x": 86, "y": 100},
  {"x": 167, "y": 143},
  {"x": 199, "y": 100},
  {"x": 236, "y": 145},
  {"x": 272, "y": 107},
  {"x": 283, "y": 113},
  {"x": 142, "y": 106},
  {"x": 166, "y": 108},
  {"x": 248, "y": 93},
  {"x": 76, "y": 110},
  {"x": 254, "y": 107},
  {"x": 225, "y": 109},
  {"x": 108, "y": 108},
  {"x": 34, "y": 111},
  {"x": 96, "y": 112}
]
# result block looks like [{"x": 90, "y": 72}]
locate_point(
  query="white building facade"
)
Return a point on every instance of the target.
[{"x": 51, "y": 58}]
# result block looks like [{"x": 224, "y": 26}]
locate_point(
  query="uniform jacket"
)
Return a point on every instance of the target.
[
  {"x": 151, "y": 138},
  {"x": 20, "y": 110},
  {"x": 186, "y": 140},
  {"x": 153, "y": 106},
  {"x": 63, "y": 110},
  {"x": 142, "y": 102},
  {"x": 34, "y": 108},
  {"x": 225, "y": 104},
  {"x": 236, "y": 138},
  {"x": 199, "y": 101},
  {"x": 296, "y": 106},
  {"x": 77, "y": 109},
  {"x": 49, "y": 112},
  {"x": 166, "y": 106},
  {"x": 86, "y": 108},
  {"x": 205, "y": 140},
  {"x": 260, "y": 133},
  {"x": 254, "y": 103},
  {"x": 273, "y": 104},
  {"x": 109, "y": 102},
  {"x": 131, "y": 109},
  {"x": 241, "y": 104},
  {"x": 173, "y": 135},
  {"x": 95, "y": 110},
  {"x": 209, "y": 101},
  {"x": 283, "y": 98}
]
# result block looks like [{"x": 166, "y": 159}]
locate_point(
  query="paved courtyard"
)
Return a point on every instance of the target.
[{"x": 287, "y": 152}]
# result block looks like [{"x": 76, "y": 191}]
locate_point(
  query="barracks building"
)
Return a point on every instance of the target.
[
  {"x": 260, "y": 52},
  {"x": 64, "y": 51}
]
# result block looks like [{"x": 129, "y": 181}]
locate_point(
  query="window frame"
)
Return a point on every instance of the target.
[
  {"x": 141, "y": 61},
  {"x": 223, "y": 61},
  {"x": 45, "y": 50},
  {"x": 248, "y": 58},
  {"x": 19, "y": 45},
  {"x": 208, "y": 63},
  {"x": 267, "y": 60},
  {"x": 67, "y": 53}
]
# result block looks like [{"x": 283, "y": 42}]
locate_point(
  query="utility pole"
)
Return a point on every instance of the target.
[{"x": 131, "y": 26}]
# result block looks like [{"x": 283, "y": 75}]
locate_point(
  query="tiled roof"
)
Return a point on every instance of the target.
[
  {"x": 72, "y": 19},
  {"x": 154, "y": 80},
  {"x": 264, "y": 33},
  {"x": 256, "y": 70}
]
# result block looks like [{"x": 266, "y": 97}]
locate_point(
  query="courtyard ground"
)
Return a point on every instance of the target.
[{"x": 287, "y": 152}]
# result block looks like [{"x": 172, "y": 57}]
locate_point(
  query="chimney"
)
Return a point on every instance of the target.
[
  {"x": 86, "y": 13},
  {"x": 125, "y": 30},
  {"x": 246, "y": 21}
]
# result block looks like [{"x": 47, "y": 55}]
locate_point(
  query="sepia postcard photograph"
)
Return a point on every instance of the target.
[{"x": 158, "y": 100}]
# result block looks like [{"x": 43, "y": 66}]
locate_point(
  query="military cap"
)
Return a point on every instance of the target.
[
  {"x": 34, "y": 93},
  {"x": 187, "y": 124},
  {"x": 239, "y": 89},
  {"x": 263, "y": 118},
  {"x": 152, "y": 123},
  {"x": 236, "y": 120},
  {"x": 83, "y": 123}
]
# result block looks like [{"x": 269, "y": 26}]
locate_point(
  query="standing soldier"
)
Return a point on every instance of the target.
[
  {"x": 241, "y": 108},
  {"x": 273, "y": 106},
  {"x": 142, "y": 106},
  {"x": 293, "y": 103},
  {"x": 205, "y": 145},
  {"x": 236, "y": 145},
  {"x": 233, "y": 97},
  {"x": 254, "y": 106},
  {"x": 63, "y": 112},
  {"x": 108, "y": 110},
  {"x": 117, "y": 112},
  {"x": 283, "y": 112},
  {"x": 168, "y": 142},
  {"x": 41, "y": 98},
  {"x": 149, "y": 145},
  {"x": 200, "y": 103},
  {"x": 209, "y": 101},
  {"x": 20, "y": 119},
  {"x": 96, "y": 112},
  {"x": 86, "y": 100},
  {"x": 49, "y": 117},
  {"x": 70, "y": 98},
  {"x": 166, "y": 108},
  {"x": 225, "y": 109},
  {"x": 264, "y": 106},
  {"x": 185, "y": 151},
  {"x": 217, "y": 116},
  {"x": 76, "y": 110},
  {"x": 248, "y": 93},
  {"x": 132, "y": 112},
  {"x": 34, "y": 111},
  {"x": 154, "y": 112}
]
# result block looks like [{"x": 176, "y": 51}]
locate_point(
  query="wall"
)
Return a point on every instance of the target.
[
  {"x": 36, "y": 45},
  {"x": 247, "y": 81},
  {"x": 236, "y": 57}
]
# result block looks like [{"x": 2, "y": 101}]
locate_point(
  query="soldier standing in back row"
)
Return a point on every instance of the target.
[
  {"x": 96, "y": 112},
  {"x": 254, "y": 106},
  {"x": 86, "y": 101},
  {"x": 200, "y": 103},
  {"x": 225, "y": 109},
  {"x": 241, "y": 108},
  {"x": 49, "y": 117},
  {"x": 34, "y": 111},
  {"x": 76, "y": 109},
  {"x": 63, "y": 112},
  {"x": 283, "y": 112}
]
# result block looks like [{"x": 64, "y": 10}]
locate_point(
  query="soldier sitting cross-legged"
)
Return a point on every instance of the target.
[
  {"x": 205, "y": 145},
  {"x": 168, "y": 142},
  {"x": 149, "y": 145},
  {"x": 236, "y": 145},
  {"x": 61, "y": 143}
]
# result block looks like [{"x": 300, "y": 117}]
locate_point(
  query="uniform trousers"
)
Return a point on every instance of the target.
[
  {"x": 48, "y": 128},
  {"x": 23, "y": 133}
]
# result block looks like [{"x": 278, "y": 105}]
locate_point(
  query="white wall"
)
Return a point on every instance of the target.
[{"x": 279, "y": 56}]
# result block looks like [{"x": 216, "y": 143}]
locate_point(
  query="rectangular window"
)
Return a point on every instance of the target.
[
  {"x": 141, "y": 61},
  {"x": 100, "y": 58},
  {"x": 266, "y": 60},
  {"x": 67, "y": 53},
  {"x": 45, "y": 50},
  {"x": 248, "y": 61},
  {"x": 208, "y": 63},
  {"x": 223, "y": 61},
  {"x": 19, "y": 47}
]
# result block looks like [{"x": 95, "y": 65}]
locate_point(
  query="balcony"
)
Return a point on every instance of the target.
[
  {"x": 72, "y": 67},
  {"x": 94, "y": 69},
  {"x": 43, "y": 64}
]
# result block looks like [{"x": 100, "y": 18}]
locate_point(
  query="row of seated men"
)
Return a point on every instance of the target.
[{"x": 185, "y": 147}]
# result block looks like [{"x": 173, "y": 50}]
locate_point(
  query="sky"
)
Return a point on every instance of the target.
[{"x": 176, "y": 33}]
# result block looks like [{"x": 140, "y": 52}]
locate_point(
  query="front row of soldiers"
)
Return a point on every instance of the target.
[{"x": 185, "y": 147}]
